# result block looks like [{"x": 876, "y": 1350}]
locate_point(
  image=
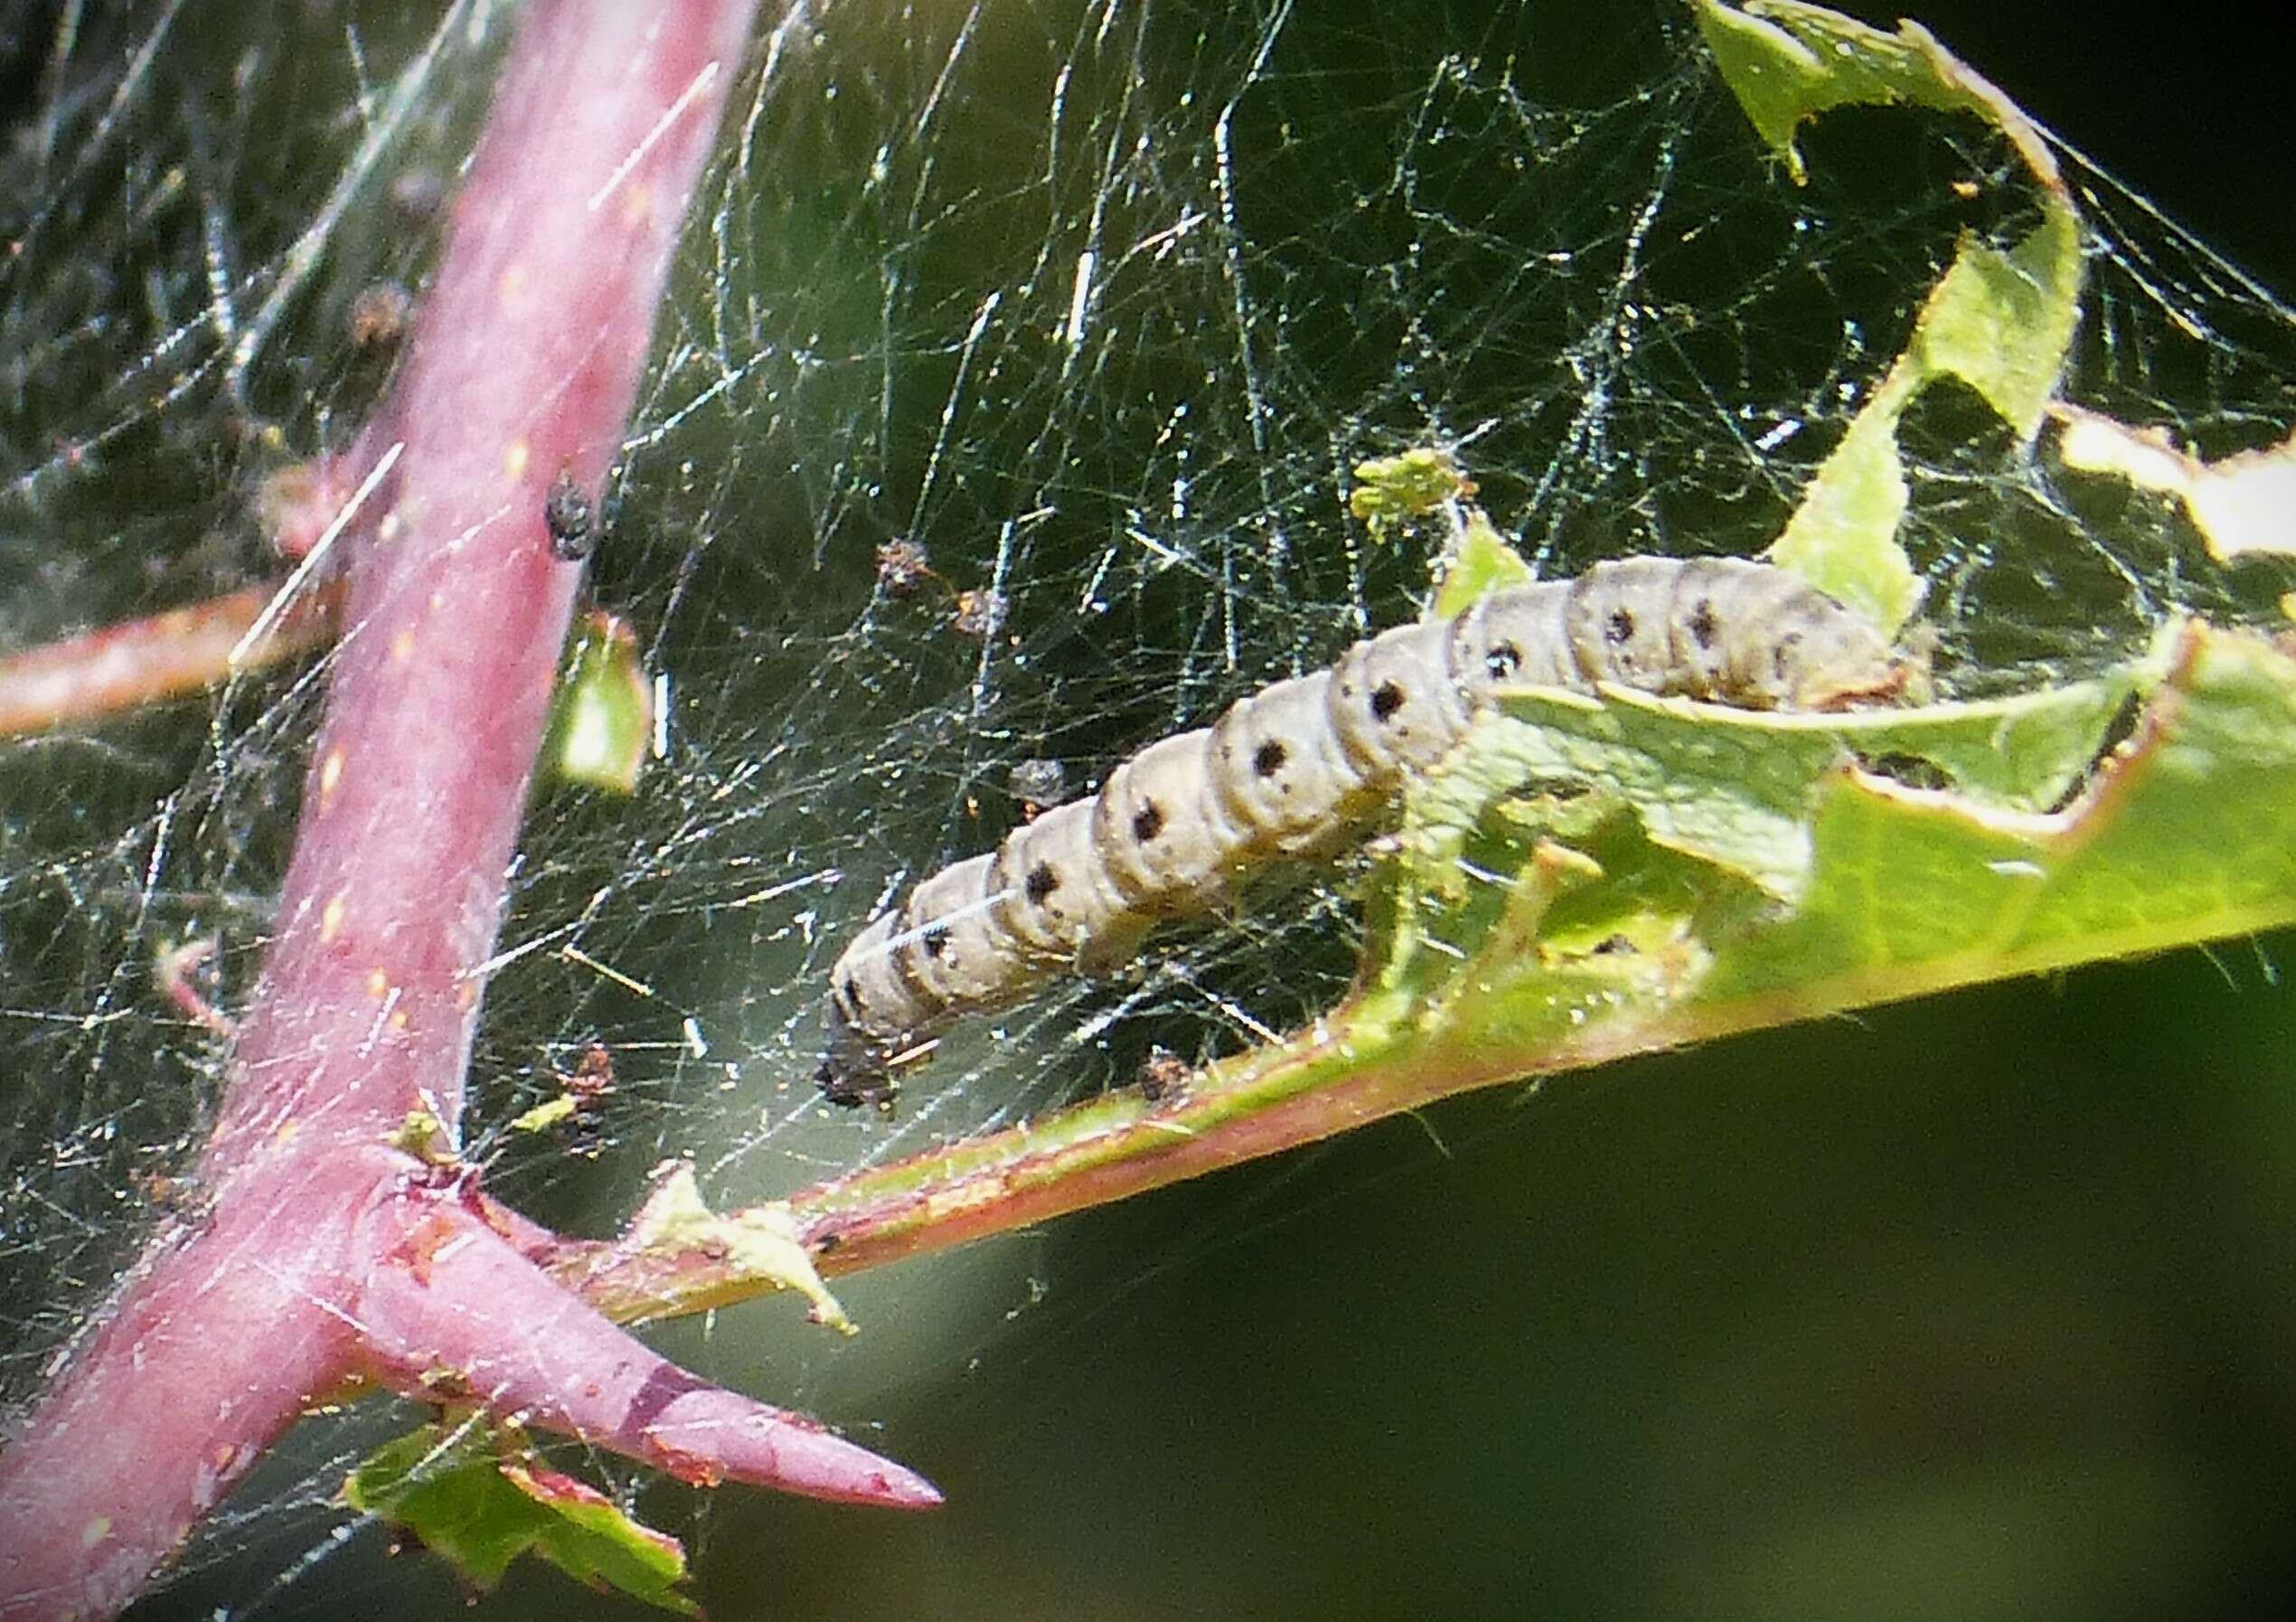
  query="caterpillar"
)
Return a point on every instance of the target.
[{"x": 1292, "y": 769}]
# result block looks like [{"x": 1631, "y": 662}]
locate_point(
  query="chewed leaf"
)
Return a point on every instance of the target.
[
  {"x": 2187, "y": 830},
  {"x": 755, "y": 1248},
  {"x": 1723, "y": 801},
  {"x": 1787, "y": 61},
  {"x": 2241, "y": 503},
  {"x": 473, "y": 1494},
  {"x": 1833, "y": 861},
  {"x": 2001, "y": 320},
  {"x": 1843, "y": 537}
]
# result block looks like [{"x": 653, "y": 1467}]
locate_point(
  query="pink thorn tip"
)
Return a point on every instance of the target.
[
  {"x": 791, "y": 1453},
  {"x": 896, "y": 1486}
]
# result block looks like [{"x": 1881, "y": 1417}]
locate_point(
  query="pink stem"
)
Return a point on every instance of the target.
[
  {"x": 325, "y": 1252},
  {"x": 162, "y": 655},
  {"x": 518, "y": 1344},
  {"x": 211, "y": 1349}
]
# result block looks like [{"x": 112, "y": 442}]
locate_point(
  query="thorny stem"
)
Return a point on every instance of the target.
[
  {"x": 325, "y": 1253},
  {"x": 163, "y": 656},
  {"x": 358, "y": 1258}
]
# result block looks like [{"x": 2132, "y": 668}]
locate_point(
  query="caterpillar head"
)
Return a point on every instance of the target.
[
  {"x": 1757, "y": 635},
  {"x": 1838, "y": 661},
  {"x": 853, "y": 1069}
]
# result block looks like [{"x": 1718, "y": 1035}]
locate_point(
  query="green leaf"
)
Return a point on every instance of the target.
[
  {"x": 1843, "y": 536},
  {"x": 2001, "y": 320},
  {"x": 473, "y": 1494},
  {"x": 750, "y": 1251},
  {"x": 1754, "y": 859},
  {"x": 602, "y": 715},
  {"x": 1736, "y": 787},
  {"x": 1481, "y": 562},
  {"x": 1787, "y": 61},
  {"x": 1585, "y": 879},
  {"x": 545, "y": 1115},
  {"x": 2189, "y": 832}
]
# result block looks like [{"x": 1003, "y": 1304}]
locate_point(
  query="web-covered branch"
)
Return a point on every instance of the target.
[{"x": 332, "y": 1245}]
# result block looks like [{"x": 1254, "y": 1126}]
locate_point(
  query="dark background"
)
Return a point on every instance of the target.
[{"x": 2184, "y": 103}]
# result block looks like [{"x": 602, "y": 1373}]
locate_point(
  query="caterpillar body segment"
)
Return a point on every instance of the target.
[
  {"x": 1280, "y": 783},
  {"x": 1395, "y": 707},
  {"x": 1054, "y": 894},
  {"x": 1296, "y": 767},
  {"x": 954, "y": 949},
  {"x": 1738, "y": 669},
  {"x": 1512, "y": 638},
  {"x": 871, "y": 992},
  {"x": 1161, "y": 830},
  {"x": 1727, "y": 630}
]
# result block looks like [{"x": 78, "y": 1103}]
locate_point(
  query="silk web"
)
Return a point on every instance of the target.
[{"x": 1096, "y": 304}]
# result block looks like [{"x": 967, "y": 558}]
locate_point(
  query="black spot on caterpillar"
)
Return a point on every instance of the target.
[{"x": 1292, "y": 769}]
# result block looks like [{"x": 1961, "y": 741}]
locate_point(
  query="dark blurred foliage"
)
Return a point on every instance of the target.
[{"x": 27, "y": 26}]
